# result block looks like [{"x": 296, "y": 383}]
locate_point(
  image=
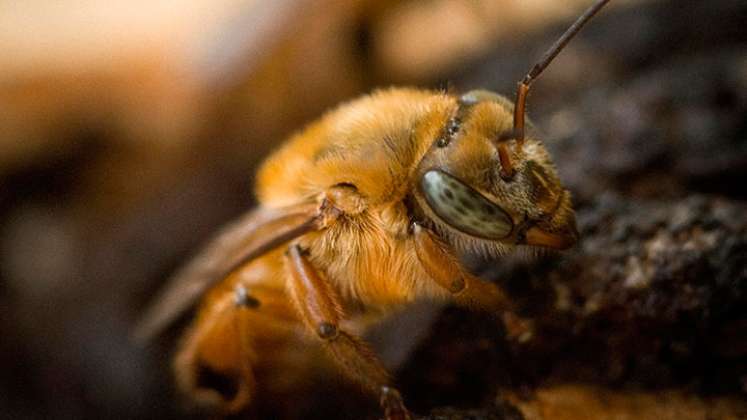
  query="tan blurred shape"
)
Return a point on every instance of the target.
[
  {"x": 168, "y": 85},
  {"x": 132, "y": 64},
  {"x": 582, "y": 402},
  {"x": 423, "y": 38}
]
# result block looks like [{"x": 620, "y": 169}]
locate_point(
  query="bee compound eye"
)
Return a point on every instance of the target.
[{"x": 464, "y": 208}]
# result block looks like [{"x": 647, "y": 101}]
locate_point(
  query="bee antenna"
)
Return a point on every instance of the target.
[{"x": 550, "y": 54}]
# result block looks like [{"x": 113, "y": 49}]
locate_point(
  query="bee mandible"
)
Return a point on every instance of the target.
[{"x": 364, "y": 211}]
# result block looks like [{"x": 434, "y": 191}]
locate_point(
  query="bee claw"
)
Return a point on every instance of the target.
[
  {"x": 413, "y": 227},
  {"x": 394, "y": 407},
  {"x": 518, "y": 329}
]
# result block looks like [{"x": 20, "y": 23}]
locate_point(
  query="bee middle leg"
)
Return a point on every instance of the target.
[
  {"x": 439, "y": 261},
  {"x": 321, "y": 312}
]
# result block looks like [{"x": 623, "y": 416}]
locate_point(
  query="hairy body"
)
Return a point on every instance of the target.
[
  {"x": 380, "y": 246},
  {"x": 364, "y": 211}
]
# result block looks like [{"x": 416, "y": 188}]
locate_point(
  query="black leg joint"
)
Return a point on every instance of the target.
[{"x": 244, "y": 299}]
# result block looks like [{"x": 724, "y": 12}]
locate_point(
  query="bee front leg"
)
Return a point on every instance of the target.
[
  {"x": 321, "y": 312},
  {"x": 439, "y": 261}
]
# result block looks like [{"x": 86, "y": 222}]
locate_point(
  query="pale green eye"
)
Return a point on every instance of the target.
[{"x": 464, "y": 208}]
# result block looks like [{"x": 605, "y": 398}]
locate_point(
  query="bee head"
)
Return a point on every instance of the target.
[
  {"x": 484, "y": 178},
  {"x": 480, "y": 181}
]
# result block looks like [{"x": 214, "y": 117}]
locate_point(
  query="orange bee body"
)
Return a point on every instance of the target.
[
  {"x": 364, "y": 211},
  {"x": 364, "y": 159},
  {"x": 374, "y": 148}
]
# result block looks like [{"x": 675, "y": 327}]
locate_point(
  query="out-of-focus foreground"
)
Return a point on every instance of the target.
[{"x": 129, "y": 131}]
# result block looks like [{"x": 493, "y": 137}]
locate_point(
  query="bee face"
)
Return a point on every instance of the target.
[{"x": 463, "y": 189}]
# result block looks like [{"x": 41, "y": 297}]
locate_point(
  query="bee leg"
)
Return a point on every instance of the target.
[
  {"x": 321, "y": 312},
  {"x": 439, "y": 261},
  {"x": 213, "y": 364},
  {"x": 442, "y": 266}
]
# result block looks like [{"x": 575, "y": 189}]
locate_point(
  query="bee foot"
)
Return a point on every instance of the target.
[
  {"x": 394, "y": 407},
  {"x": 517, "y": 328}
]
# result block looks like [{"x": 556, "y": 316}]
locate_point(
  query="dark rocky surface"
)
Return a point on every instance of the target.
[{"x": 653, "y": 298}]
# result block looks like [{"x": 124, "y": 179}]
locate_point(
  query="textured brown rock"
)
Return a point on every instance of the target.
[
  {"x": 578, "y": 402},
  {"x": 581, "y": 402},
  {"x": 499, "y": 411},
  {"x": 654, "y": 294},
  {"x": 652, "y": 300}
]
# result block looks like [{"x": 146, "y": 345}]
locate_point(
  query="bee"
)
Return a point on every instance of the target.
[{"x": 364, "y": 211}]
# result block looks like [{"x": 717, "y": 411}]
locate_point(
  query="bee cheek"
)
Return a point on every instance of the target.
[{"x": 542, "y": 238}]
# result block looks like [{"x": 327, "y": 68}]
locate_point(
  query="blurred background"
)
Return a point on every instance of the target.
[{"x": 130, "y": 131}]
